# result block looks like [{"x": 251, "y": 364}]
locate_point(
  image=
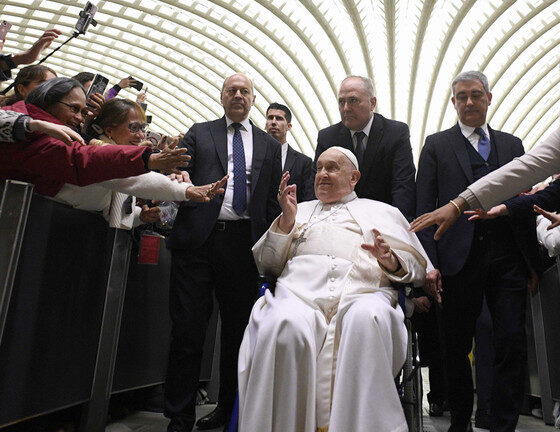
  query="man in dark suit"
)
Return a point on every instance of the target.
[
  {"x": 493, "y": 257},
  {"x": 211, "y": 250},
  {"x": 300, "y": 166},
  {"x": 382, "y": 146}
]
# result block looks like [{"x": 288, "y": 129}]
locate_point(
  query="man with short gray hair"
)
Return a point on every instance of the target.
[
  {"x": 494, "y": 258},
  {"x": 381, "y": 145}
]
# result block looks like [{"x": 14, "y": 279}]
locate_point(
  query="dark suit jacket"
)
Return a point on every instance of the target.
[
  {"x": 388, "y": 167},
  {"x": 444, "y": 171},
  {"x": 301, "y": 174},
  {"x": 207, "y": 146}
]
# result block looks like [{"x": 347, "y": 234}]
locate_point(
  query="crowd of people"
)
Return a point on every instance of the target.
[{"x": 321, "y": 352}]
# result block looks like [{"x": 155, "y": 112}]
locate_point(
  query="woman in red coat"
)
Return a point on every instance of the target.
[{"x": 49, "y": 163}]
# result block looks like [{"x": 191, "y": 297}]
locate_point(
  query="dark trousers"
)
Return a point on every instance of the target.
[
  {"x": 431, "y": 353},
  {"x": 494, "y": 268},
  {"x": 483, "y": 358},
  {"x": 224, "y": 265}
]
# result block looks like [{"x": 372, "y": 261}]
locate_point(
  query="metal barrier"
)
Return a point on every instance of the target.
[{"x": 63, "y": 279}]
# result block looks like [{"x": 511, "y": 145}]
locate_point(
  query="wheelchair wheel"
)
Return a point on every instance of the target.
[{"x": 412, "y": 385}]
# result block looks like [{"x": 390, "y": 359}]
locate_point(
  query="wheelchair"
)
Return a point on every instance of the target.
[{"x": 408, "y": 382}]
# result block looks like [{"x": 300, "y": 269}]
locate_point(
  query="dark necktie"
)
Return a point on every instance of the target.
[
  {"x": 239, "y": 173},
  {"x": 483, "y": 143},
  {"x": 359, "y": 149}
]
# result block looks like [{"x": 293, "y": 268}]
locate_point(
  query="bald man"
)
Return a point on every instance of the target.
[
  {"x": 211, "y": 249},
  {"x": 322, "y": 353}
]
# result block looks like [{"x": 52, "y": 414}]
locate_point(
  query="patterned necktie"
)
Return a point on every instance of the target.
[
  {"x": 239, "y": 173},
  {"x": 483, "y": 143},
  {"x": 359, "y": 149}
]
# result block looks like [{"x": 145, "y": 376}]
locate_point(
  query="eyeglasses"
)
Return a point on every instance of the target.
[
  {"x": 76, "y": 109},
  {"x": 136, "y": 127}
]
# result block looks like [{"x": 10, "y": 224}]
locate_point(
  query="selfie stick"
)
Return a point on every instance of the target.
[{"x": 89, "y": 20}]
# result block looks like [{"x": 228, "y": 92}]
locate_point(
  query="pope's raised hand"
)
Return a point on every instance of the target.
[
  {"x": 287, "y": 199},
  {"x": 381, "y": 250}
]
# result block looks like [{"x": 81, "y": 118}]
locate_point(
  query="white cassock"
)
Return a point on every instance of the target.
[{"x": 322, "y": 353}]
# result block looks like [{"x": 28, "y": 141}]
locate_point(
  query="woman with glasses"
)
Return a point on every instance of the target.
[
  {"x": 57, "y": 169},
  {"x": 123, "y": 122}
]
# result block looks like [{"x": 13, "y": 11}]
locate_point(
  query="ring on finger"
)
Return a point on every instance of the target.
[{"x": 279, "y": 191}]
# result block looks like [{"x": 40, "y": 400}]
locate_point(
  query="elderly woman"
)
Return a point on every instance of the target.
[
  {"x": 49, "y": 163},
  {"x": 123, "y": 122}
]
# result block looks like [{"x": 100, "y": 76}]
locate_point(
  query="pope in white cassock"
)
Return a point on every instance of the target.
[{"x": 322, "y": 352}]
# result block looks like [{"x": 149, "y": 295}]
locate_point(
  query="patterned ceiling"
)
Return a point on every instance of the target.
[{"x": 298, "y": 52}]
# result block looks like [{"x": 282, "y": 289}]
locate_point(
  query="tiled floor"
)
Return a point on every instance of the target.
[{"x": 152, "y": 422}]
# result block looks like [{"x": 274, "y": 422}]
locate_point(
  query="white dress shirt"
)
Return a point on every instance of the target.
[
  {"x": 284, "y": 154},
  {"x": 227, "y": 212},
  {"x": 469, "y": 133}
]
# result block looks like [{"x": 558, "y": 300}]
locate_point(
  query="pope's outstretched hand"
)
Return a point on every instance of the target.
[{"x": 381, "y": 250}]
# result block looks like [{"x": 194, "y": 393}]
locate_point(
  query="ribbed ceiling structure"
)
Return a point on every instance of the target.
[{"x": 298, "y": 52}]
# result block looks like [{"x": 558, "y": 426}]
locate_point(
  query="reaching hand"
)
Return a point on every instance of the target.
[
  {"x": 60, "y": 132},
  {"x": 168, "y": 160},
  {"x": 554, "y": 218},
  {"x": 381, "y": 250},
  {"x": 29, "y": 56},
  {"x": 493, "y": 213},
  {"x": 141, "y": 98},
  {"x": 205, "y": 193},
  {"x": 433, "y": 286},
  {"x": 149, "y": 215},
  {"x": 180, "y": 177},
  {"x": 287, "y": 198},
  {"x": 170, "y": 142},
  {"x": 444, "y": 217}
]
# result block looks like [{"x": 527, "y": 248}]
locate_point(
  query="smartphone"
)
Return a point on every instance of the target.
[
  {"x": 86, "y": 18},
  {"x": 148, "y": 119},
  {"x": 153, "y": 137},
  {"x": 137, "y": 85},
  {"x": 98, "y": 85},
  {"x": 4, "y": 29}
]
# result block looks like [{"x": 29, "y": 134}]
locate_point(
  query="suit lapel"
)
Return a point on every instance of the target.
[
  {"x": 373, "y": 144},
  {"x": 259, "y": 153},
  {"x": 290, "y": 160},
  {"x": 460, "y": 150},
  {"x": 345, "y": 139},
  {"x": 218, "y": 130},
  {"x": 504, "y": 154}
]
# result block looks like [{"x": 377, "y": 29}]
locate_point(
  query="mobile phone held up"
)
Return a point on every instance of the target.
[
  {"x": 86, "y": 18},
  {"x": 136, "y": 84},
  {"x": 4, "y": 29},
  {"x": 98, "y": 85}
]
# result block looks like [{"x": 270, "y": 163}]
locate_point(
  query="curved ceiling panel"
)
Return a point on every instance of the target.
[{"x": 298, "y": 52}]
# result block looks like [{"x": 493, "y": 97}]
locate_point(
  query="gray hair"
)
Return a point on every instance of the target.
[
  {"x": 366, "y": 82},
  {"x": 52, "y": 91},
  {"x": 471, "y": 76}
]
